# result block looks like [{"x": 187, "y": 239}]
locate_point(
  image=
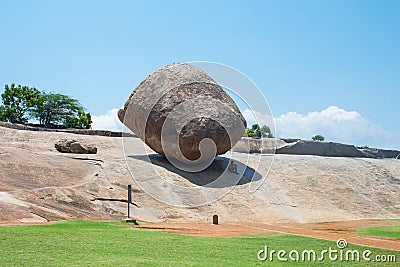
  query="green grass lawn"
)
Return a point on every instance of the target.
[
  {"x": 392, "y": 231},
  {"x": 86, "y": 243}
]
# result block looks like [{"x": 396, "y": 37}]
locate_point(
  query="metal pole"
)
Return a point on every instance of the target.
[{"x": 129, "y": 200}]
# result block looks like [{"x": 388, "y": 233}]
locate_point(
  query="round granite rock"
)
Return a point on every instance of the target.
[{"x": 177, "y": 107}]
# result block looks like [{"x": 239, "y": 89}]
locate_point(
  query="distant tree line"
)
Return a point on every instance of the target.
[
  {"x": 264, "y": 131},
  {"x": 258, "y": 132},
  {"x": 22, "y": 103}
]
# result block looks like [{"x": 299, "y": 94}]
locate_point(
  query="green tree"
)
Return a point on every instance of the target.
[
  {"x": 256, "y": 130},
  {"x": 266, "y": 132},
  {"x": 318, "y": 137},
  {"x": 59, "y": 109},
  {"x": 249, "y": 133},
  {"x": 255, "y": 127},
  {"x": 21, "y": 103},
  {"x": 17, "y": 103},
  {"x": 2, "y": 113},
  {"x": 82, "y": 121}
]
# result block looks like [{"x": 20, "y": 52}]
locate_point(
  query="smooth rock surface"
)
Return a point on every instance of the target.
[
  {"x": 39, "y": 181},
  {"x": 184, "y": 103}
]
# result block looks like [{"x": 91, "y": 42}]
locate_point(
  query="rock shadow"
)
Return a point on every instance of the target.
[{"x": 209, "y": 176}]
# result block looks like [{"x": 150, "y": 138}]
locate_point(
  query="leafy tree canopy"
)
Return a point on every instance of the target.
[
  {"x": 258, "y": 132},
  {"x": 318, "y": 137},
  {"x": 266, "y": 131},
  {"x": 21, "y": 103},
  {"x": 2, "y": 113},
  {"x": 17, "y": 101}
]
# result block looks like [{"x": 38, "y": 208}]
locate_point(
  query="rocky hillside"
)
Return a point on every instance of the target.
[
  {"x": 39, "y": 184},
  {"x": 315, "y": 148}
]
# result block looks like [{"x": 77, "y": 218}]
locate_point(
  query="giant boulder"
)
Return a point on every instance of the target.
[{"x": 177, "y": 107}]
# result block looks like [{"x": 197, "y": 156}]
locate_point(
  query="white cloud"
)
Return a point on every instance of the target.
[
  {"x": 334, "y": 123},
  {"x": 108, "y": 121}
]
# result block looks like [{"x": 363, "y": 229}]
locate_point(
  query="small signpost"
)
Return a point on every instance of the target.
[
  {"x": 129, "y": 219},
  {"x": 129, "y": 200}
]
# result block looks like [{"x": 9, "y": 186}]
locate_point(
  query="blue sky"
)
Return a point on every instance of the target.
[{"x": 306, "y": 56}]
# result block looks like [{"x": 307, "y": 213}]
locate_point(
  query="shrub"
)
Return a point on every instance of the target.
[{"x": 318, "y": 137}]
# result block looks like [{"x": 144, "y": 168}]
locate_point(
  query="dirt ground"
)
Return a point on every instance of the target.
[{"x": 326, "y": 230}]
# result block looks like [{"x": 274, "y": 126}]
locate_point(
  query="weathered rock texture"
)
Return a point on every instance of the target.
[
  {"x": 37, "y": 184},
  {"x": 315, "y": 148},
  {"x": 73, "y": 146},
  {"x": 210, "y": 114},
  {"x": 327, "y": 149}
]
